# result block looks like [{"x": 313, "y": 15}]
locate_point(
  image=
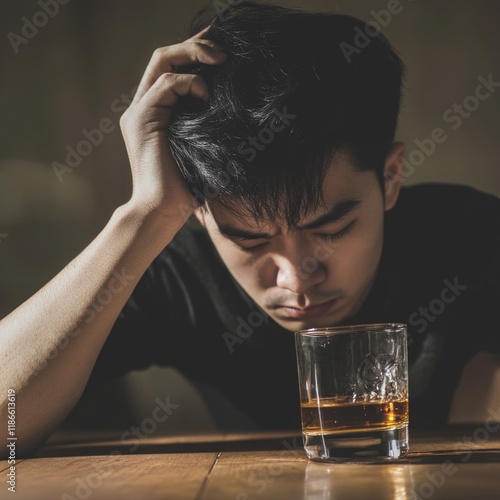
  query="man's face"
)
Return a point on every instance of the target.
[{"x": 320, "y": 273}]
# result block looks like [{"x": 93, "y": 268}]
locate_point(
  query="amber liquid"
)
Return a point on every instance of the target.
[{"x": 330, "y": 416}]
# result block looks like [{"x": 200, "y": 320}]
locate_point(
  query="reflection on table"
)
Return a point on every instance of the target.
[{"x": 452, "y": 463}]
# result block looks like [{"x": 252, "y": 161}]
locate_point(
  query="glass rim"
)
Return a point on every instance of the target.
[{"x": 328, "y": 331}]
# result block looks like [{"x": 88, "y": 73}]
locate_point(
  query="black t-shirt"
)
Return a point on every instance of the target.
[{"x": 439, "y": 274}]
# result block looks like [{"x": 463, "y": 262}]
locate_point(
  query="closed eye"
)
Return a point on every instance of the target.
[
  {"x": 252, "y": 248},
  {"x": 328, "y": 237},
  {"x": 338, "y": 235}
]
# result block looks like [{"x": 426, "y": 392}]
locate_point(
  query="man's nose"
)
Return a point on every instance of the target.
[{"x": 299, "y": 273}]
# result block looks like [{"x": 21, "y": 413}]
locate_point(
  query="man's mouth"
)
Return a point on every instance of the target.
[{"x": 299, "y": 313}]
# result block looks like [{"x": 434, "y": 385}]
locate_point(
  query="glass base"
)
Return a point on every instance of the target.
[{"x": 361, "y": 446}]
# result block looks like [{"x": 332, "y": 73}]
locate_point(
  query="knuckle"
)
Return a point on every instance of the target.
[
  {"x": 128, "y": 121},
  {"x": 158, "y": 53},
  {"x": 195, "y": 47},
  {"x": 167, "y": 77},
  {"x": 160, "y": 56},
  {"x": 123, "y": 121},
  {"x": 124, "y": 124}
]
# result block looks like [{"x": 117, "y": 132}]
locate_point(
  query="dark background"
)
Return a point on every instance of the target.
[
  {"x": 82, "y": 66},
  {"x": 69, "y": 75}
]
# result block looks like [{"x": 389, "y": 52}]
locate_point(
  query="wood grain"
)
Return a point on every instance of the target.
[
  {"x": 452, "y": 463},
  {"x": 120, "y": 477},
  {"x": 271, "y": 476}
]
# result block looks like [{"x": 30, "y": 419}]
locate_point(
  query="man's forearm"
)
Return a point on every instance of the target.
[{"x": 49, "y": 344}]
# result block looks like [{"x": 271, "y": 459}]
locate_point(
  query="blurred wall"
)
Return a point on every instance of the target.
[{"x": 80, "y": 67}]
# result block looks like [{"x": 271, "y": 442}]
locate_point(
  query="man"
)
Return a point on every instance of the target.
[{"x": 281, "y": 145}]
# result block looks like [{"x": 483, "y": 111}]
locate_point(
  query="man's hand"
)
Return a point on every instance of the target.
[
  {"x": 60, "y": 349},
  {"x": 158, "y": 186}
]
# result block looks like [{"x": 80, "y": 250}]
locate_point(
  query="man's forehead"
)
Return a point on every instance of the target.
[
  {"x": 342, "y": 188},
  {"x": 238, "y": 214},
  {"x": 232, "y": 223}
]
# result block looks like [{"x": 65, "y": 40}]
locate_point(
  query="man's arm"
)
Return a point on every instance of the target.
[{"x": 49, "y": 345}]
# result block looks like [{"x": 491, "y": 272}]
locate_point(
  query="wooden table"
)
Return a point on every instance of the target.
[{"x": 452, "y": 463}]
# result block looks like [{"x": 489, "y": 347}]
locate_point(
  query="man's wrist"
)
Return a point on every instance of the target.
[{"x": 158, "y": 228}]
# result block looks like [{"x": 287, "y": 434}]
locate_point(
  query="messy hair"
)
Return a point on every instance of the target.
[{"x": 294, "y": 93}]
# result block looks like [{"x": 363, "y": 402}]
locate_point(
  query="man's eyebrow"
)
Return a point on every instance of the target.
[
  {"x": 339, "y": 211},
  {"x": 231, "y": 231}
]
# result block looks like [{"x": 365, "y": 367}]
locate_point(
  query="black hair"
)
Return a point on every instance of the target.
[{"x": 338, "y": 95}]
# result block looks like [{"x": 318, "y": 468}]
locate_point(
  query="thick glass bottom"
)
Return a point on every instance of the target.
[{"x": 360, "y": 446}]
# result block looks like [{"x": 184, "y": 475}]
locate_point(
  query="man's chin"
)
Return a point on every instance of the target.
[{"x": 296, "y": 324}]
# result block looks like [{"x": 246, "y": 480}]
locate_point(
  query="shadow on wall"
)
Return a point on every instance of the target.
[
  {"x": 34, "y": 214},
  {"x": 89, "y": 56},
  {"x": 477, "y": 399},
  {"x": 156, "y": 401}
]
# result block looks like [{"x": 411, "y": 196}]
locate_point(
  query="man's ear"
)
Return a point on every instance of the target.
[
  {"x": 200, "y": 215},
  {"x": 393, "y": 174}
]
